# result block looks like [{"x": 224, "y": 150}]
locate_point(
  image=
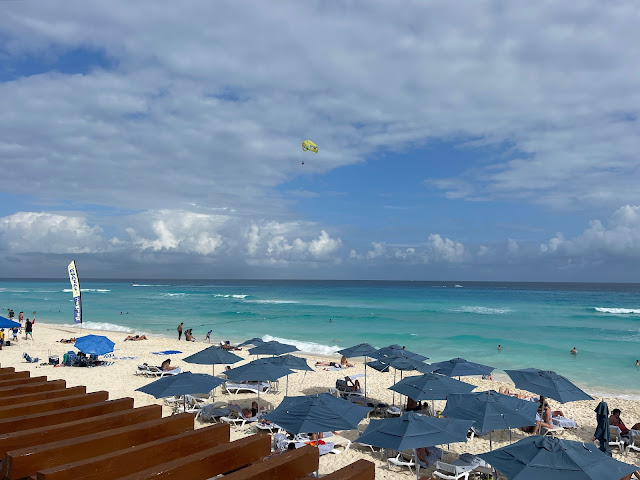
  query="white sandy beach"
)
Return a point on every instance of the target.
[{"x": 120, "y": 381}]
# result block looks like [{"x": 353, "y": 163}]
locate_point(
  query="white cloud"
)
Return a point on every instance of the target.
[
  {"x": 25, "y": 232},
  {"x": 620, "y": 238},
  {"x": 435, "y": 250}
]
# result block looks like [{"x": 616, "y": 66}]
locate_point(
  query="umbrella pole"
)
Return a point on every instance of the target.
[
  {"x": 365, "y": 380},
  {"x": 303, "y": 377},
  {"x": 286, "y": 393},
  {"x": 394, "y": 392}
]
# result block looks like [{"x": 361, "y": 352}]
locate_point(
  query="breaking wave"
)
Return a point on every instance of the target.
[
  {"x": 482, "y": 310},
  {"x": 625, "y": 311},
  {"x": 306, "y": 347}
]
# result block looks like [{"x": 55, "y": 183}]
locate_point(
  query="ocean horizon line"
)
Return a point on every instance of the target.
[{"x": 137, "y": 280}]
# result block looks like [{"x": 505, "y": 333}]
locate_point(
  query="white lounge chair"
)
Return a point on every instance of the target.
[
  {"x": 403, "y": 459},
  {"x": 254, "y": 387},
  {"x": 616, "y": 438},
  {"x": 451, "y": 472},
  {"x": 634, "y": 441},
  {"x": 551, "y": 432},
  {"x": 237, "y": 419},
  {"x": 142, "y": 370}
]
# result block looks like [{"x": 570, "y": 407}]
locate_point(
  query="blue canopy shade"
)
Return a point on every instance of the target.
[
  {"x": 414, "y": 431},
  {"x": 260, "y": 370},
  {"x": 491, "y": 410},
  {"x": 252, "y": 341},
  {"x": 430, "y": 386},
  {"x": 378, "y": 365},
  {"x": 6, "y": 323},
  {"x": 317, "y": 413},
  {"x": 272, "y": 347},
  {"x": 290, "y": 361},
  {"x": 361, "y": 350},
  {"x": 537, "y": 457},
  {"x": 94, "y": 344},
  {"x": 406, "y": 363},
  {"x": 181, "y": 384},
  {"x": 548, "y": 384},
  {"x": 459, "y": 367},
  {"x": 213, "y": 356},
  {"x": 397, "y": 351}
]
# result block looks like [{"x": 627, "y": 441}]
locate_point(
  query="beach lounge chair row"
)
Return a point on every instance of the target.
[
  {"x": 149, "y": 371},
  {"x": 251, "y": 387}
]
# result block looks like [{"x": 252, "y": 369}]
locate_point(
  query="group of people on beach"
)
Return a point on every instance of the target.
[
  {"x": 188, "y": 334},
  {"x": 17, "y": 330}
]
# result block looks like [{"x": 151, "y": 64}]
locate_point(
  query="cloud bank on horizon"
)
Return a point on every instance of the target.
[{"x": 498, "y": 141}]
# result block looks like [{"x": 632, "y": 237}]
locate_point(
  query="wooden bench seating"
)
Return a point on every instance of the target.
[
  {"x": 43, "y": 386},
  {"x": 77, "y": 428},
  {"x": 16, "y": 400},
  {"x": 50, "y": 432}
]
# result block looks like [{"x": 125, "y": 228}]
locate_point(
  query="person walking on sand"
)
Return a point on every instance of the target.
[
  {"x": 28, "y": 330},
  {"x": 208, "y": 337},
  {"x": 180, "y": 330}
]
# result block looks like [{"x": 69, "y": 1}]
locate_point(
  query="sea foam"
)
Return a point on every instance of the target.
[
  {"x": 306, "y": 347},
  {"x": 482, "y": 310},
  {"x": 100, "y": 290},
  {"x": 625, "y": 311}
]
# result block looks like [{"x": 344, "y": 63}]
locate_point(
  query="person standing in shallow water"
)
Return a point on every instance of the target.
[{"x": 180, "y": 330}]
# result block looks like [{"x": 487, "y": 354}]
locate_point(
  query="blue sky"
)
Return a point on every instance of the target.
[{"x": 491, "y": 142}]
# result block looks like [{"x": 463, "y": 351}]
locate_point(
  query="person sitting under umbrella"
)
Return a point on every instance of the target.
[
  {"x": 616, "y": 421},
  {"x": 427, "y": 457},
  {"x": 166, "y": 365},
  {"x": 353, "y": 386}
]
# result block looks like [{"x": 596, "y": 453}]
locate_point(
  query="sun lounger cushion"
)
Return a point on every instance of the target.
[{"x": 564, "y": 422}]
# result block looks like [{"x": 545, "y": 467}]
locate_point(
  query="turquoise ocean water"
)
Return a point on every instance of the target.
[{"x": 536, "y": 323}]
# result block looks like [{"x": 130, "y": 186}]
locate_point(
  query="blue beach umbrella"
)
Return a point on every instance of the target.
[
  {"x": 459, "y": 367},
  {"x": 257, "y": 371},
  {"x": 378, "y": 365},
  {"x": 185, "y": 383},
  {"x": 412, "y": 430},
  {"x": 361, "y": 350},
  {"x": 402, "y": 360},
  {"x": 491, "y": 410},
  {"x": 317, "y": 413},
  {"x": 213, "y": 356},
  {"x": 6, "y": 323},
  {"x": 252, "y": 341},
  {"x": 273, "y": 347},
  {"x": 94, "y": 344},
  {"x": 397, "y": 351},
  {"x": 550, "y": 458},
  {"x": 291, "y": 362},
  {"x": 430, "y": 386},
  {"x": 548, "y": 384}
]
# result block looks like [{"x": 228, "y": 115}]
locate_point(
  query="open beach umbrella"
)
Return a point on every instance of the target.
[
  {"x": 273, "y": 347},
  {"x": 6, "y": 323},
  {"x": 252, "y": 341},
  {"x": 536, "y": 457},
  {"x": 412, "y": 430},
  {"x": 185, "y": 383},
  {"x": 361, "y": 350},
  {"x": 291, "y": 362},
  {"x": 213, "y": 355},
  {"x": 402, "y": 360},
  {"x": 260, "y": 370},
  {"x": 491, "y": 410},
  {"x": 317, "y": 413},
  {"x": 459, "y": 367},
  {"x": 603, "y": 434},
  {"x": 94, "y": 345},
  {"x": 430, "y": 386},
  {"x": 548, "y": 384},
  {"x": 397, "y": 351},
  {"x": 378, "y": 365}
]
